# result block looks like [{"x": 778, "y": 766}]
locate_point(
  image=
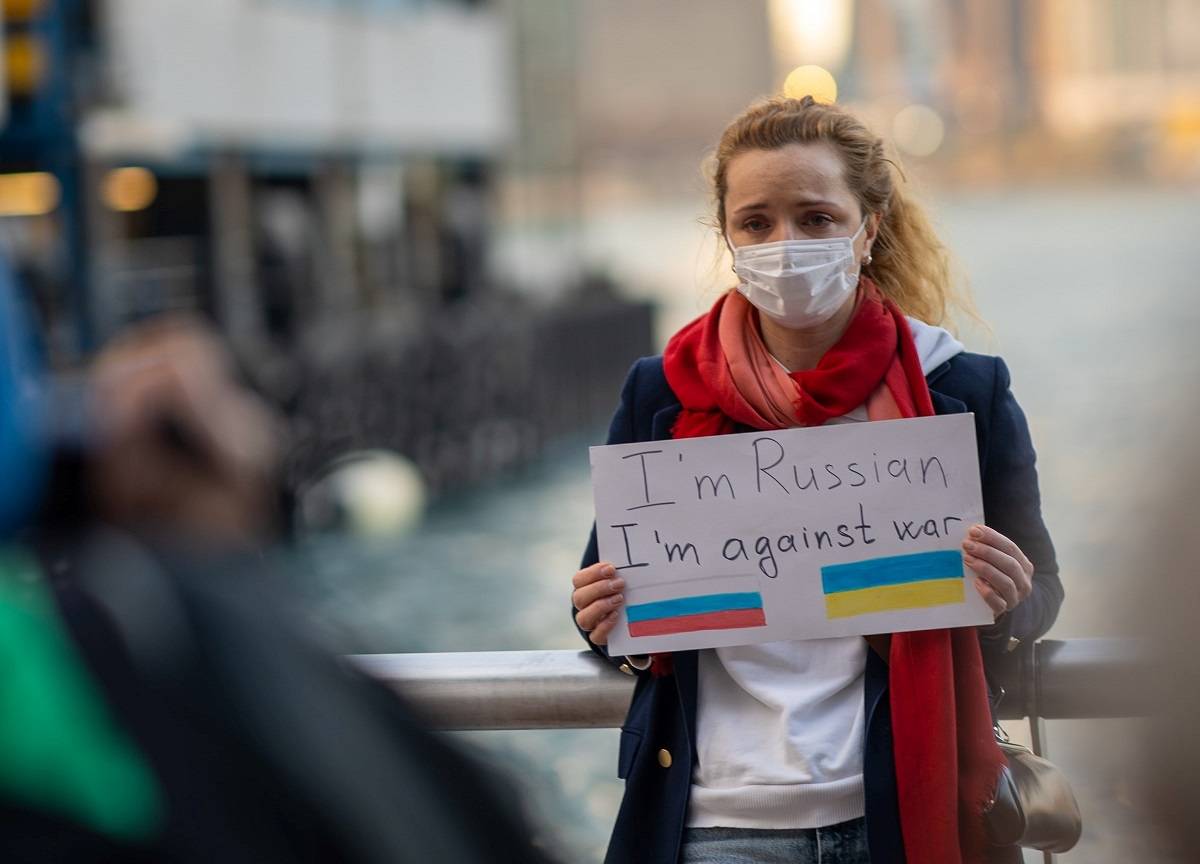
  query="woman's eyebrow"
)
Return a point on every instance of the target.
[
  {"x": 803, "y": 202},
  {"x": 757, "y": 205}
]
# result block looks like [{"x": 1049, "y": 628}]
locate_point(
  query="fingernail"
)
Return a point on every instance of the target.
[
  {"x": 968, "y": 560},
  {"x": 617, "y": 599},
  {"x": 976, "y": 532},
  {"x": 969, "y": 546},
  {"x": 616, "y": 584},
  {"x": 607, "y": 571}
]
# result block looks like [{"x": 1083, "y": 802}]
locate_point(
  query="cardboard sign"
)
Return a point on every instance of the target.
[{"x": 836, "y": 530}]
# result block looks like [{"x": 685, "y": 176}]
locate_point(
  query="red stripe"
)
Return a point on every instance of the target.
[{"x": 729, "y": 620}]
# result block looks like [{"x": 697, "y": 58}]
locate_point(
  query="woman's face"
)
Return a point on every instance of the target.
[{"x": 796, "y": 192}]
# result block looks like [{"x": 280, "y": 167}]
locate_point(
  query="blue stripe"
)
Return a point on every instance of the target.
[
  {"x": 894, "y": 570},
  {"x": 694, "y": 605}
]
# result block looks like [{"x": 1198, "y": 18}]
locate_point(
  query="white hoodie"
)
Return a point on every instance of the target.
[
  {"x": 780, "y": 725},
  {"x": 934, "y": 345}
]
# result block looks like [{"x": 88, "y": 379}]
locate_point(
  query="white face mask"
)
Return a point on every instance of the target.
[{"x": 799, "y": 283}]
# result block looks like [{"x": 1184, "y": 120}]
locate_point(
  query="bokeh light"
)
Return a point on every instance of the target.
[
  {"x": 21, "y": 10},
  {"x": 811, "y": 31},
  {"x": 812, "y": 81},
  {"x": 33, "y": 193},
  {"x": 918, "y": 130},
  {"x": 25, "y": 63},
  {"x": 128, "y": 190}
]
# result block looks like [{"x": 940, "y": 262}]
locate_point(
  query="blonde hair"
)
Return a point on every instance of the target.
[{"x": 909, "y": 263}]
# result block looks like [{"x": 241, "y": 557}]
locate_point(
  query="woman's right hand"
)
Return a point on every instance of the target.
[{"x": 597, "y": 599}]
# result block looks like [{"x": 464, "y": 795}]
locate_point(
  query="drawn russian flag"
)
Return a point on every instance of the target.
[
  {"x": 894, "y": 583},
  {"x": 692, "y": 614}
]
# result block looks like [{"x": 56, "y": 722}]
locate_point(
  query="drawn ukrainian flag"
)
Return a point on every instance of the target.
[
  {"x": 893, "y": 584},
  {"x": 728, "y": 611}
]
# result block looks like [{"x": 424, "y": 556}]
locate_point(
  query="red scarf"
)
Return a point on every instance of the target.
[{"x": 947, "y": 762}]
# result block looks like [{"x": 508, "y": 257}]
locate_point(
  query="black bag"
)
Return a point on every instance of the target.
[{"x": 1034, "y": 806}]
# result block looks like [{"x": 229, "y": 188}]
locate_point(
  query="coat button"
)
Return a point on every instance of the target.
[{"x": 664, "y": 758}]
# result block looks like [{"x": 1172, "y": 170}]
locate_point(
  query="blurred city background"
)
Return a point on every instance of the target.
[{"x": 443, "y": 230}]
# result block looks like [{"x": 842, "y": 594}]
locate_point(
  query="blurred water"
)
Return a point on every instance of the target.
[{"x": 1090, "y": 294}]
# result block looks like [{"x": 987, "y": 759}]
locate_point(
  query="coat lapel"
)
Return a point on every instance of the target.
[
  {"x": 663, "y": 420},
  {"x": 943, "y": 404}
]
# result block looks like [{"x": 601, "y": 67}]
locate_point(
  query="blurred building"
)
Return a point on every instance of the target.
[
  {"x": 1033, "y": 89},
  {"x": 629, "y": 96},
  {"x": 318, "y": 179},
  {"x": 268, "y": 163},
  {"x": 621, "y": 100},
  {"x": 1123, "y": 78},
  {"x": 660, "y": 80}
]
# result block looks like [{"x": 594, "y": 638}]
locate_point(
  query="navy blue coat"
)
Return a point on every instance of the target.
[{"x": 662, "y": 713}]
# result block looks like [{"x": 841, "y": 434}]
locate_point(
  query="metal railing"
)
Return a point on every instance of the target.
[{"x": 1077, "y": 678}]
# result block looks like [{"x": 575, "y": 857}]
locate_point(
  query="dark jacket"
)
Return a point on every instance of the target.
[
  {"x": 662, "y": 713},
  {"x": 193, "y": 672}
]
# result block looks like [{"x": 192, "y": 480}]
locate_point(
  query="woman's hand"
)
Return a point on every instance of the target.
[
  {"x": 1005, "y": 574},
  {"x": 597, "y": 599}
]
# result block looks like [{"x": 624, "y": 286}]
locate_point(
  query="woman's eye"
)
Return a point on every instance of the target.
[
  {"x": 821, "y": 220},
  {"x": 755, "y": 224}
]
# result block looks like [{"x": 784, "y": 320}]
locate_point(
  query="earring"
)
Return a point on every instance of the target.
[{"x": 867, "y": 259}]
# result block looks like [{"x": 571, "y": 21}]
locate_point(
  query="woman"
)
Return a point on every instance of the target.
[{"x": 824, "y": 750}]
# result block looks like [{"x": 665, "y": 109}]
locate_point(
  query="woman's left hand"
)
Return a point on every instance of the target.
[{"x": 1005, "y": 574}]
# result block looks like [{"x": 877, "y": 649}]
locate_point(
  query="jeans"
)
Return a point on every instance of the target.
[{"x": 844, "y": 843}]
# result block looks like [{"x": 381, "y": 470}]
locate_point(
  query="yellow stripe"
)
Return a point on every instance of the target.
[{"x": 891, "y": 598}]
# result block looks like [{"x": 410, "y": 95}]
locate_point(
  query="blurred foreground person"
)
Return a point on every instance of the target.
[
  {"x": 157, "y": 703},
  {"x": 178, "y": 446}
]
